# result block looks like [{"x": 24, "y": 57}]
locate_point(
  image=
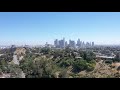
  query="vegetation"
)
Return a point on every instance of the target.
[
  {"x": 12, "y": 69},
  {"x": 44, "y": 67},
  {"x": 55, "y": 63},
  {"x": 117, "y": 58}
]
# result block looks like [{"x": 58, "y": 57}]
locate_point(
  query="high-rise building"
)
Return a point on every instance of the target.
[
  {"x": 78, "y": 42},
  {"x": 60, "y": 43},
  {"x": 87, "y": 44},
  {"x": 63, "y": 42},
  {"x": 83, "y": 44},
  {"x": 72, "y": 43},
  {"x": 69, "y": 42},
  {"x": 66, "y": 44},
  {"x": 92, "y": 43},
  {"x": 56, "y": 43}
]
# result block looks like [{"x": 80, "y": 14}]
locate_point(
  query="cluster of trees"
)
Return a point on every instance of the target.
[
  {"x": 38, "y": 67},
  {"x": 117, "y": 58},
  {"x": 7, "y": 57},
  {"x": 12, "y": 69},
  {"x": 7, "y": 54},
  {"x": 83, "y": 65}
]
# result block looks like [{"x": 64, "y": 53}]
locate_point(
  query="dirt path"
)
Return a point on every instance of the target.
[{"x": 15, "y": 60}]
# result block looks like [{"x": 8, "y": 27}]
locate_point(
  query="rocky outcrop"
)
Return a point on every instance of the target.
[
  {"x": 18, "y": 55},
  {"x": 20, "y": 51}
]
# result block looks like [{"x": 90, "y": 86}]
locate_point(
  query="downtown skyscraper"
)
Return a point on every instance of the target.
[
  {"x": 60, "y": 43},
  {"x": 80, "y": 44},
  {"x": 56, "y": 43}
]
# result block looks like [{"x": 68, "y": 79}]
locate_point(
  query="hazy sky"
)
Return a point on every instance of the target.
[{"x": 41, "y": 27}]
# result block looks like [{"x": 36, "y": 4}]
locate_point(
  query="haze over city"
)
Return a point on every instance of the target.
[{"x": 36, "y": 28}]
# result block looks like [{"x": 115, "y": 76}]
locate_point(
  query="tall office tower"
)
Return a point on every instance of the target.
[
  {"x": 66, "y": 44},
  {"x": 60, "y": 43},
  {"x": 92, "y": 43},
  {"x": 83, "y": 44},
  {"x": 56, "y": 43},
  {"x": 63, "y": 42},
  {"x": 87, "y": 44},
  {"x": 69, "y": 42},
  {"x": 78, "y": 42},
  {"x": 72, "y": 43}
]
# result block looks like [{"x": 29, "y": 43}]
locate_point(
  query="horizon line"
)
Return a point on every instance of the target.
[{"x": 53, "y": 44}]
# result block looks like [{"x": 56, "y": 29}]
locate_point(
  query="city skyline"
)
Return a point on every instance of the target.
[
  {"x": 74, "y": 44},
  {"x": 66, "y": 41},
  {"x": 37, "y": 28}
]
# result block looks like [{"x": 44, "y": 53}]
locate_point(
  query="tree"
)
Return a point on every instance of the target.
[
  {"x": 3, "y": 65},
  {"x": 88, "y": 55},
  {"x": 14, "y": 71},
  {"x": 91, "y": 65},
  {"x": 66, "y": 62},
  {"x": 45, "y": 50},
  {"x": 117, "y": 58},
  {"x": 37, "y": 68},
  {"x": 81, "y": 65}
]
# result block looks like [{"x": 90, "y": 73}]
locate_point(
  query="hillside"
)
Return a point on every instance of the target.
[{"x": 54, "y": 63}]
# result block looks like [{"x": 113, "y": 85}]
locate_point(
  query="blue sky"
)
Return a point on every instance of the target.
[{"x": 41, "y": 27}]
